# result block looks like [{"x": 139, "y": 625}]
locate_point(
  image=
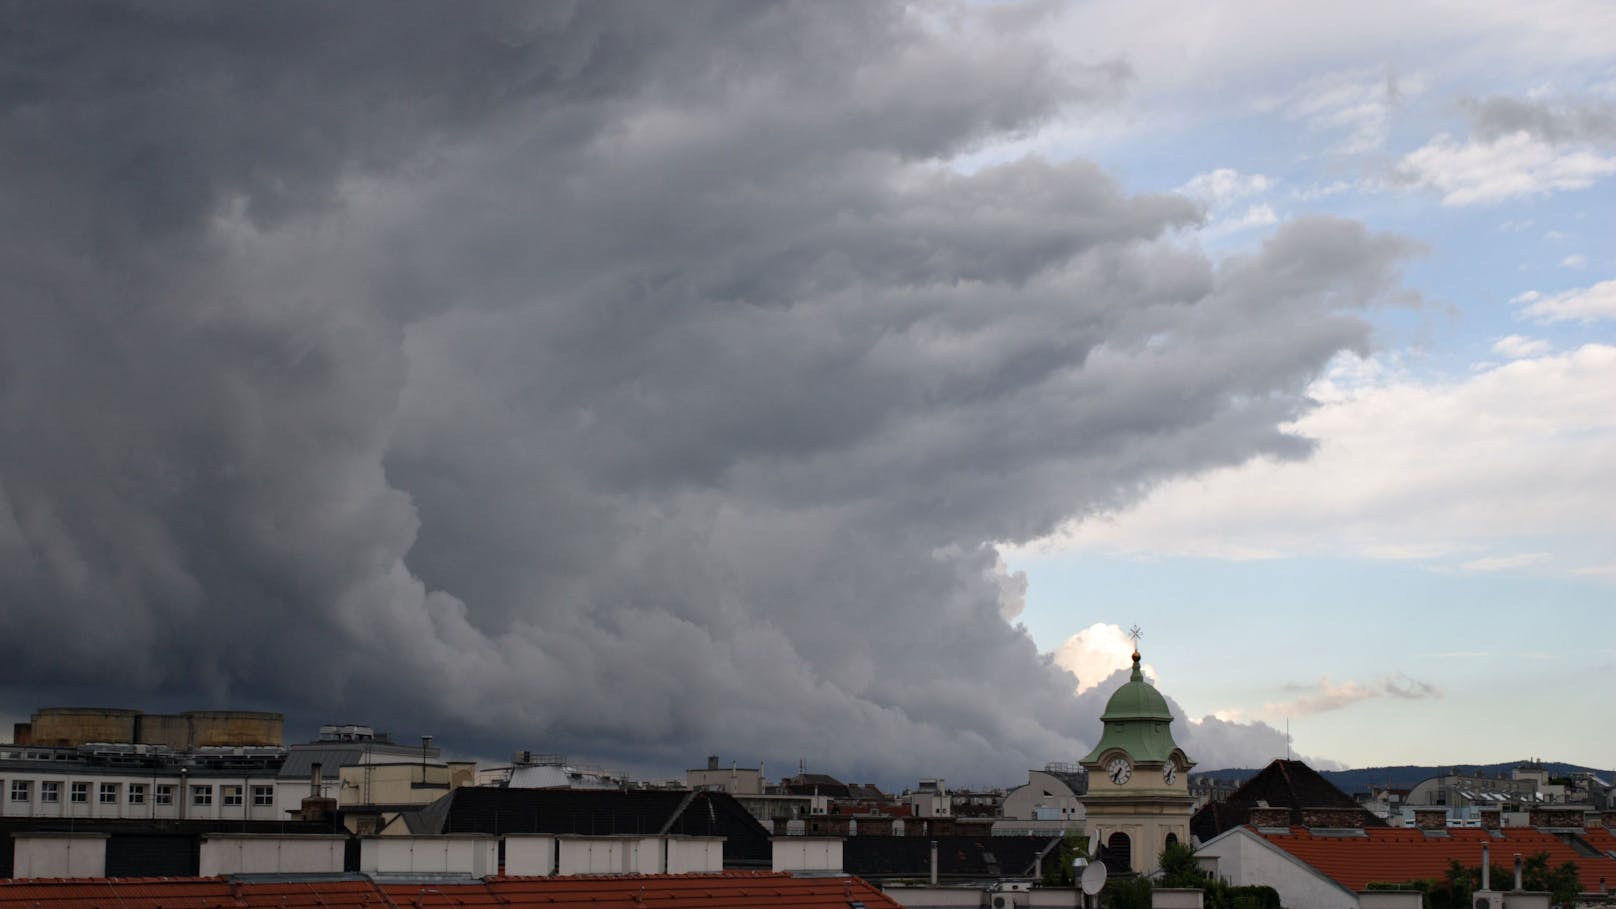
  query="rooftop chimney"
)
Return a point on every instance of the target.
[
  {"x": 316, "y": 807},
  {"x": 1270, "y": 817},
  {"x": 1431, "y": 818}
]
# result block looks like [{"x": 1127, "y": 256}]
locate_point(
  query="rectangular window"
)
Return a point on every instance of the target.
[
  {"x": 137, "y": 793},
  {"x": 201, "y": 795},
  {"x": 230, "y": 796},
  {"x": 22, "y": 790},
  {"x": 80, "y": 792},
  {"x": 264, "y": 796},
  {"x": 107, "y": 794},
  {"x": 50, "y": 791},
  {"x": 164, "y": 794}
]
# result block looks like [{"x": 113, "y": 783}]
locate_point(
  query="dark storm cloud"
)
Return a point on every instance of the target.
[{"x": 634, "y": 381}]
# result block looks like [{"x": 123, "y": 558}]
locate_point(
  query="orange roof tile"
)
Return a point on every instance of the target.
[
  {"x": 1403, "y": 854},
  {"x": 727, "y": 890}
]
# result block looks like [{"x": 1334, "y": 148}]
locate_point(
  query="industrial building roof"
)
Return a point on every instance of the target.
[
  {"x": 1397, "y": 854},
  {"x": 727, "y": 890}
]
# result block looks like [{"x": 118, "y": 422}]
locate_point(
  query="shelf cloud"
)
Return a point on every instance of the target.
[{"x": 627, "y": 380}]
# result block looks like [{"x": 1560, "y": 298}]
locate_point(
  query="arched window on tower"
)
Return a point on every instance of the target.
[
  {"x": 1118, "y": 855},
  {"x": 1172, "y": 839}
]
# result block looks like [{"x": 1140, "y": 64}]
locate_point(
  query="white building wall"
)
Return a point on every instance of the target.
[
  {"x": 165, "y": 795},
  {"x": 1392, "y": 899},
  {"x": 688, "y": 855},
  {"x": 476, "y": 855},
  {"x": 1176, "y": 898},
  {"x": 251, "y": 854},
  {"x": 59, "y": 855},
  {"x": 610, "y": 855},
  {"x": 530, "y": 854},
  {"x": 807, "y": 853},
  {"x": 1246, "y": 859},
  {"x": 1024, "y": 802},
  {"x": 938, "y": 897}
]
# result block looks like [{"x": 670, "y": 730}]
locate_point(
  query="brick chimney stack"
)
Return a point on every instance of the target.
[
  {"x": 1270, "y": 817},
  {"x": 1431, "y": 818}
]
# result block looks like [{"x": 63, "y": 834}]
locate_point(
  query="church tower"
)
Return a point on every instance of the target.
[{"x": 1138, "y": 797}]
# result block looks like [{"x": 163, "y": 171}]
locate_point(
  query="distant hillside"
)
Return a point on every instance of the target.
[{"x": 1403, "y": 776}]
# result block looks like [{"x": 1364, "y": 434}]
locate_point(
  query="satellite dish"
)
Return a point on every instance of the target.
[{"x": 1093, "y": 878}]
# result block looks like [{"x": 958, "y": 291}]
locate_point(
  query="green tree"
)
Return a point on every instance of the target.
[
  {"x": 1179, "y": 868},
  {"x": 1059, "y": 873},
  {"x": 1127, "y": 893},
  {"x": 1562, "y": 883}
]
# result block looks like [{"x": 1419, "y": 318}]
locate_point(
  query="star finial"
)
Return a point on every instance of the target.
[{"x": 1136, "y": 634}]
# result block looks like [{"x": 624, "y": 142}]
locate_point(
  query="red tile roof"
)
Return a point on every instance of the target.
[
  {"x": 1396, "y": 854},
  {"x": 728, "y": 890}
]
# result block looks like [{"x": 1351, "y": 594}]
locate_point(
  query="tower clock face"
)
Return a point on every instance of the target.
[
  {"x": 1119, "y": 770},
  {"x": 1169, "y": 773}
]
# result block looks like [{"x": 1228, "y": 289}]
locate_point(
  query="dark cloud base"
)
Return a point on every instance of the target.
[{"x": 636, "y": 381}]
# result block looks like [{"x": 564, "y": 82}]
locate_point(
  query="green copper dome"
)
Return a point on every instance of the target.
[
  {"x": 1138, "y": 722},
  {"x": 1136, "y": 700}
]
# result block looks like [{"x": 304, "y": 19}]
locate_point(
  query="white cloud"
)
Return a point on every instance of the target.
[
  {"x": 1575, "y": 260},
  {"x": 1325, "y": 695},
  {"x": 1517, "y": 346},
  {"x": 1224, "y": 185},
  {"x": 1582, "y": 304},
  {"x": 1512, "y": 166},
  {"x": 1407, "y": 469},
  {"x": 1096, "y": 652},
  {"x": 1179, "y": 48},
  {"x": 1219, "y": 190},
  {"x": 1321, "y": 191},
  {"x": 1355, "y": 104},
  {"x": 1505, "y": 562},
  {"x": 1260, "y": 215}
]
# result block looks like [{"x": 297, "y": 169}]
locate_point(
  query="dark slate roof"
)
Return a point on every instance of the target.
[
  {"x": 817, "y": 784},
  {"x": 958, "y": 857},
  {"x": 486, "y": 809},
  {"x": 1282, "y": 784}
]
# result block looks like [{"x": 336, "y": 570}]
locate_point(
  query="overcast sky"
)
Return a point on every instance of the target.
[{"x": 828, "y": 382}]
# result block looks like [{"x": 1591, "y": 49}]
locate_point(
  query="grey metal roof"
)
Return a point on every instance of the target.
[
  {"x": 300, "y": 761},
  {"x": 429, "y": 819}
]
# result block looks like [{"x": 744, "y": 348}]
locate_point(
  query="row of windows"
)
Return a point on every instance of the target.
[{"x": 50, "y": 791}]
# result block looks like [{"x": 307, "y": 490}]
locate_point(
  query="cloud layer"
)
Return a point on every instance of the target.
[
  {"x": 1511, "y": 456},
  {"x": 628, "y": 380}
]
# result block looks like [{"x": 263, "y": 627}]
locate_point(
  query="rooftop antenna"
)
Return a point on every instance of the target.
[{"x": 1287, "y": 738}]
